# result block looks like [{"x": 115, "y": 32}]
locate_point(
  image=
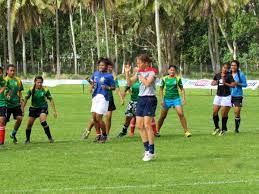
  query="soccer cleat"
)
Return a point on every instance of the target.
[
  {"x": 27, "y": 141},
  {"x": 121, "y": 134},
  {"x": 157, "y": 134},
  {"x": 187, "y": 134},
  {"x": 51, "y": 140},
  {"x": 216, "y": 131},
  {"x": 103, "y": 139},
  {"x": 86, "y": 134},
  {"x": 148, "y": 156},
  {"x": 236, "y": 131},
  {"x": 222, "y": 132},
  {"x": 13, "y": 137},
  {"x": 97, "y": 138}
]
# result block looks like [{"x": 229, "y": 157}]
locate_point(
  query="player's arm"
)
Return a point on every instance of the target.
[
  {"x": 243, "y": 81},
  {"x": 214, "y": 81},
  {"x": 26, "y": 98},
  {"x": 147, "y": 81},
  {"x": 130, "y": 80},
  {"x": 52, "y": 103},
  {"x": 182, "y": 91},
  {"x": 232, "y": 83},
  {"x": 161, "y": 92}
]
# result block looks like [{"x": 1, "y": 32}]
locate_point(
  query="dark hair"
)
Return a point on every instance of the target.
[
  {"x": 34, "y": 87},
  {"x": 106, "y": 61},
  {"x": 144, "y": 58},
  {"x": 238, "y": 71},
  {"x": 173, "y": 66},
  {"x": 226, "y": 63},
  {"x": 9, "y": 66}
]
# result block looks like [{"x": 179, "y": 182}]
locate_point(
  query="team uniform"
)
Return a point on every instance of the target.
[
  {"x": 112, "y": 106},
  {"x": 223, "y": 97},
  {"x": 237, "y": 92},
  {"x": 2, "y": 110},
  {"x": 100, "y": 97},
  {"x": 171, "y": 92},
  {"x": 147, "y": 101},
  {"x": 39, "y": 102},
  {"x": 14, "y": 85}
]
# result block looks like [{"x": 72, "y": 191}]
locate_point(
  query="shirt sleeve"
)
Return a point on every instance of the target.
[
  {"x": 48, "y": 95},
  {"x": 28, "y": 94},
  {"x": 20, "y": 85},
  {"x": 215, "y": 77},
  {"x": 243, "y": 79},
  {"x": 162, "y": 84},
  {"x": 180, "y": 83}
]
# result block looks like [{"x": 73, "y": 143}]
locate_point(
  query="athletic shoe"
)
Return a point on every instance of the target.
[
  {"x": 27, "y": 142},
  {"x": 14, "y": 138},
  {"x": 103, "y": 139},
  {"x": 121, "y": 134},
  {"x": 86, "y": 134},
  {"x": 216, "y": 131},
  {"x": 236, "y": 131},
  {"x": 222, "y": 132},
  {"x": 148, "y": 156},
  {"x": 51, "y": 140},
  {"x": 157, "y": 134},
  {"x": 97, "y": 138},
  {"x": 187, "y": 134}
]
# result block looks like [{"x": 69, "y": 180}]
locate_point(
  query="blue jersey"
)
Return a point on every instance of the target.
[
  {"x": 238, "y": 91},
  {"x": 99, "y": 79}
]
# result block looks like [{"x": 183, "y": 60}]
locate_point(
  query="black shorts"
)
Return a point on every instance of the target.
[
  {"x": 237, "y": 101},
  {"x": 16, "y": 111},
  {"x": 36, "y": 112},
  {"x": 3, "y": 111},
  {"x": 146, "y": 106},
  {"x": 112, "y": 106}
]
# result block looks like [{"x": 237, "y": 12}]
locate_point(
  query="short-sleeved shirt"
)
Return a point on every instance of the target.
[
  {"x": 99, "y": 79},
  {"x": 134, "y": 91},
  {"x": 14, "y": 86},
  {"x": 170, "y": 86},
  {"x": 39, "y": 97},
  {"x": 2, "y": 95},
  {"x": 147, "y": 90},
  {"x": 223, "y": 90}
]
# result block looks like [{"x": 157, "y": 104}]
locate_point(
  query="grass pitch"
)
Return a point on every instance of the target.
[{"x": 200, "y": 164}]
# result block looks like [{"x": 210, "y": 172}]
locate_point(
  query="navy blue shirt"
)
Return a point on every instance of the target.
[{"x": 99, "y": 79}]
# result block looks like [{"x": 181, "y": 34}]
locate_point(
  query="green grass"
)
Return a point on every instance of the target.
[{"x": 201, "y": 164}]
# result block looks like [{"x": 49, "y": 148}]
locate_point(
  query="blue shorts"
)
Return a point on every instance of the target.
[
  {"x": 146, "y": 106},
  {"x": 168, "y": 103}
]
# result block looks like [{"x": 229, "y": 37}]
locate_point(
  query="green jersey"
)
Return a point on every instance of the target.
[
  {"x": 2, "y": 95},
  {"x": 39, "y": 98},
  {"x": 170, "y": 86},
  {"x": 13, "y": 87},
  {"x": 135, "y": 91}
]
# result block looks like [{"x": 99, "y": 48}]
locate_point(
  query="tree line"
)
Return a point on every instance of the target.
[{"x": 68, "y": 36}]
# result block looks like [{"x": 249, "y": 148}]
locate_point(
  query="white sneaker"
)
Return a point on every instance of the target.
[
  {"x": 148, "y": 156},
  {"x": 85, "y": 134}
]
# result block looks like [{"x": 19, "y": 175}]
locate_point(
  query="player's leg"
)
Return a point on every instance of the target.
[
  {"x": 102, "y": 125},
  {"x": 44, "y": 124},
  {"x": 97, "y": 126},
  {"x": 224, "y": 113},
  {"x": 143, "y": 132},
  {"x": 87, "y": 131},
  {"x": 18, "y": 116},
  {"x": 28, "y": 129},
  {"x": 215, "y": 114},
  {"x": 180, "y": 113},
  {"x": 108, "y": 121},
  {"x": 237, "y": 111},
  {"x": 154, "y": 127},
  {"x": 125, "y": 127},
  {"x": 2, "y": 125},
  {"x": 163, "y": 115},
  {"x": 132, "y": 126}
]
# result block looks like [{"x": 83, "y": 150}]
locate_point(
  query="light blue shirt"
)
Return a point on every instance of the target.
[{"x": 238, "y": 90}]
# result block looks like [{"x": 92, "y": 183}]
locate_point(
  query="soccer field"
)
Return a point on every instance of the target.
[{"x": 200, "y": 164}]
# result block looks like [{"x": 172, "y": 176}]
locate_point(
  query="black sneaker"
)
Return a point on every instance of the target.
[
  {"x": 27, "y": 141},
  {"x": 103, "y": 139},
  {"x": 236, "y": 131},
  {"x": 14, "y": 138},
  {"x": 121, "y": 134},
  {"x": 97, "y": 138}
]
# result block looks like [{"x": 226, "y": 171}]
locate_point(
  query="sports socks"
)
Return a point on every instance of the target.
[
  {"x": 237, "y": 123},
  {"x": 224, "y": 123},
  {"x": 2, "y": 135},
  {"x": 28, "y": 134},
  {"x": 146, "y": 146},
  {"x": 45, "y": 126},
  {"x": 216, "y": 121}
]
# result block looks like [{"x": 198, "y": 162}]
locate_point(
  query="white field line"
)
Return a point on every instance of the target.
[{"x": 125, "y": 187}]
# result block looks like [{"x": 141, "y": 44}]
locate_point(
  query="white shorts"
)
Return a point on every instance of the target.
[
  {"x": 222, "y": 101},
  {"x": 99, "y": 105}
]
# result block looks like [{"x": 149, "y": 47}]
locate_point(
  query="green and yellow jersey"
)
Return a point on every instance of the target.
[
  {"x": 39, "y": 97},
  {"x": 135, "y": 91},
  {"x": 2, "y": 95},
  {"x": 170, "y": 86},
  {"x": 13, "y": 87}
]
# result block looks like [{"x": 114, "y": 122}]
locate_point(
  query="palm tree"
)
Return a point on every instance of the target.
[
  {"x": 70, "y": 6},
  {"x": 10, "y": 17}
]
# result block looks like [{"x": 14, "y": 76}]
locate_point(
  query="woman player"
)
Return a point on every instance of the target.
[
  {"x": 224, "y": 80},
  {"x": 2, "y": 107},
  {"x": 170, "y": 97},
  {"x": 147, "y": 103},
  {"x": 14, "y": 88},
  {"x": 237, "y": 92},
  {"x": 39, "y": 107}
]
